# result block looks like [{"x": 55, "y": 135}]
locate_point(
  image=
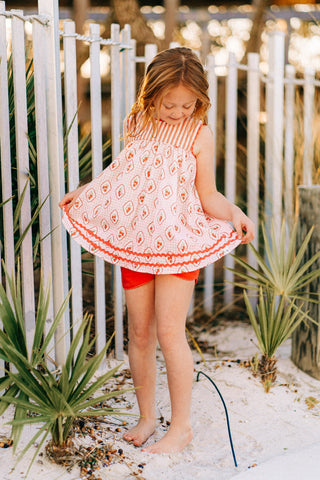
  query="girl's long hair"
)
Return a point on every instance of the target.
[{"x": 167, "y": 70}]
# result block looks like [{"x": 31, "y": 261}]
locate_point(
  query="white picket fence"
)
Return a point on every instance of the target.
[{"x": 279, "y": 87}]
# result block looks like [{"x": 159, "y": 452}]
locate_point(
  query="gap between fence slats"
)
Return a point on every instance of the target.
[
  {"x": 289, "y": 149},
  {"x": 277, "y": 133},
  {"x": 253, "y": 145},
  {"x": 308, "y": 109}
]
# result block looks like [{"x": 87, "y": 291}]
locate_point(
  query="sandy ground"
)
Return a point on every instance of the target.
[{"x": 276, "y": 435}]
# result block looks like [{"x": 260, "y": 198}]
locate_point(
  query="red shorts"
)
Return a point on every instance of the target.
[{"x": 131, "y": 279}]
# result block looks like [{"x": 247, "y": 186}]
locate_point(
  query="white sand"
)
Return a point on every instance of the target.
[{"x": 276, "y": 436}]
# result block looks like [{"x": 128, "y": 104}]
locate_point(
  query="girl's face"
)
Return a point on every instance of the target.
[{"x": 177, "y": 105}]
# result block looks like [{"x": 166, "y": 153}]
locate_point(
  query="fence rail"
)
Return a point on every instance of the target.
[{"x": 60, "y": 261}]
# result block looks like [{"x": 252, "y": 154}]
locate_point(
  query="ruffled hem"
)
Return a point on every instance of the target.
[{"x": 153, "y": 262}]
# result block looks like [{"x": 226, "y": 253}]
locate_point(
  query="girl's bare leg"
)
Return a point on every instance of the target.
[
  {"x": 142, "y": 358},
  {"x": 172, "y": 299}
]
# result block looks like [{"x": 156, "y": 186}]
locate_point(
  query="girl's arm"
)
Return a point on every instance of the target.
[
  {"x": 70, "y": 198},
  {"x": 214, "y": 203}
]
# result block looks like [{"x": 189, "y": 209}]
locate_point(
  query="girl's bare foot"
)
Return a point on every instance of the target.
[
  {"x": 172, "y": 442},
  {"x": 141, "y": 432}
]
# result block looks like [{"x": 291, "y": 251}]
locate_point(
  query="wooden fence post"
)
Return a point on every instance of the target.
[{"x": 306, "y": 338}]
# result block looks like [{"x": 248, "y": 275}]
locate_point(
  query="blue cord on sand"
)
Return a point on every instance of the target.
[{"x": 225, "y": 409}]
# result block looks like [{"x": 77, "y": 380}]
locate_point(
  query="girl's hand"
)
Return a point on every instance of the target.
[
  {"x": 243, "y": 225},
  {"x": 70, "y": 198}
]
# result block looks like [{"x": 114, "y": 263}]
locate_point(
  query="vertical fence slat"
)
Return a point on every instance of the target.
[
  {"x": 213, "y": 95},
  {"x": 253, "y": 140},
  {"x": 150, "y": 51},
  {"x": 6, "y": 184},
  {"x": 42, "y": 165},
  {"x": 56, "y": 171},
  {"x": 308, "y": 114},
  {"x": 212, "y": 122},
  {"x": 116, "y": 120},
  {"x": 71, "y": 118},
  {"x": 21, "y": 134},
  {"x": 289, "y": 146},
  {"x": 274, "y": 137},
  {"x": 96, "y": 134},
  {"x": 126, "y": 72},
  {"x": 175, "y": 45},
  {"x": 115, "y": 91},
  {"x": 231, "y": 154},
  {"x": 132, "y": 71},
  {"x": 124, "y": 84}
]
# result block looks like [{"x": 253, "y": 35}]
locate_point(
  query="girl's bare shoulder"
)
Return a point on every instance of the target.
[{"x": 204, "y": 140}]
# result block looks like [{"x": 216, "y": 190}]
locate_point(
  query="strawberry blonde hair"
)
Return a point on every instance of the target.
[{"x": 168, "y": 69}]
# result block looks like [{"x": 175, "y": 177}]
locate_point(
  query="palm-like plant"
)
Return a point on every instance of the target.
[
  {"x": 14, "y": 337},
  {"x": 281, "y": 282},
  {"x": 274, "y": 322},
  {"x": 57, "y": 397},
  {"x": 284, "y": 269},
  {"x": 60, "y": 397}
]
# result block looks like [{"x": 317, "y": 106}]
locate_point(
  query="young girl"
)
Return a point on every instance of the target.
[{"x": 156, "y": 212}]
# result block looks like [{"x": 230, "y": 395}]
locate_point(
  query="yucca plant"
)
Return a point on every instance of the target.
[
  {"x": 281, "y": 283},
  {"x": 57, "y": 397},
  {"x": 283, "y": 268},
  {"x": 13, "y": 336},
  {"x": 273, "y": 323}
]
